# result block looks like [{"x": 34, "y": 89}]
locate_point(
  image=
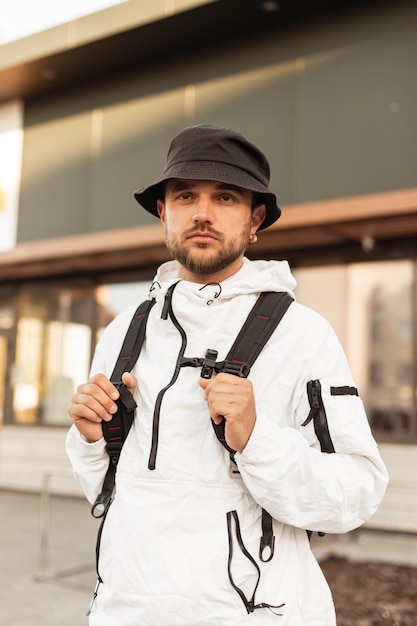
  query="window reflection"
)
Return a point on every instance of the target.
[
  {"x": 370, "y": 307},
  {"x": 52, "y": 353},
  {"x": 6, "y": 317},
  {"x": 390, "y": 382},
  {"x": 115, "y": 298},
  {"x": 368, "y": 304},
  {"x": 3, "y": 367}
]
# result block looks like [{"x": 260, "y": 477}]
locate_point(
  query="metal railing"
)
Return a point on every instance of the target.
[{"x": 44, "y": 572}]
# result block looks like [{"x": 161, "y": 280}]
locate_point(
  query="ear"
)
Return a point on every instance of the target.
[
  {"x": 160, "y": 207},
  {"x": 258, "y": 215}
]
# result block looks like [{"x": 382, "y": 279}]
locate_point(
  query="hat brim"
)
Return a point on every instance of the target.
[{"x": 209, "y": 170}]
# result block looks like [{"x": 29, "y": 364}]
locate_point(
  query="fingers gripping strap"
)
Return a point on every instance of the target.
[{"x": 261, "y": 322}]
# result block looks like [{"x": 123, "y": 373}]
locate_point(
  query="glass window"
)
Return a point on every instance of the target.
[
  {"x": 3, "y": 367},
  {"x": 381, "y": 293},
  {"x": 53, "y": 347},
  {"x": 115, "y": 298},
  {"x": 7, "y": 316},
  {"x": 370, "y": 307},
  {"x": 7, "y": 333}
]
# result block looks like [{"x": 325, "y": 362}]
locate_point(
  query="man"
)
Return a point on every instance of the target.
[{"x": 180, "y": 545}]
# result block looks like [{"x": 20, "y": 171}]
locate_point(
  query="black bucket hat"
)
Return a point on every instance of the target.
[{"x": 206, "y": 152}]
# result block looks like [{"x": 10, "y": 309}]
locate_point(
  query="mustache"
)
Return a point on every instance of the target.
[{"x": 203, "y": 228}]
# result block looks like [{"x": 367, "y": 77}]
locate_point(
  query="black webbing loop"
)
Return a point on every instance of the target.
[{"x": 267, "y": 544}]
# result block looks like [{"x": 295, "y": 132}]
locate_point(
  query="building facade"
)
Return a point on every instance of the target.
[{"x": 326, "y": 89}]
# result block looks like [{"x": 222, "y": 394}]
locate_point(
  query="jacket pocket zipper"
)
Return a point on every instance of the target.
[{"x": 319, "y": 417}]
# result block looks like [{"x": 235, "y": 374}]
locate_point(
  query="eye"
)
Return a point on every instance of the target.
[
  {"x": 227, "y": 197},
  {"x": 184, "y": 195}
]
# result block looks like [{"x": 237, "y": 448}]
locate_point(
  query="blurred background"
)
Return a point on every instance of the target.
[{"x": 91, "y": 94}]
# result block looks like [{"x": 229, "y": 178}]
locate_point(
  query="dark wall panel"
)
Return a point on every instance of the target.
[
  {"x": 333, "y": 105},
  {"x": 56, "y": 178}
]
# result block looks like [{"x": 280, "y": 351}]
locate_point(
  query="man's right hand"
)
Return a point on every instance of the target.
[{"x": 94, "y": 402}]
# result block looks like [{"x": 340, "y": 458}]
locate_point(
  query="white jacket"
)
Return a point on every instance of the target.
[{"x": 166, "y": 541}]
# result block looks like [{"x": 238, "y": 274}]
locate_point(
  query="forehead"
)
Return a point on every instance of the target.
[{"x": 180, "y": 184}]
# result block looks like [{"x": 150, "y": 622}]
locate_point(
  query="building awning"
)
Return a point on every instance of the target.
[{"x": 308, "y": 229}]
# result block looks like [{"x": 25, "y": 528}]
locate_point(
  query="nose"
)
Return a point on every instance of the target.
[
  {"x": 203, "y": 213},
  {"x": 202, "y": 217}
]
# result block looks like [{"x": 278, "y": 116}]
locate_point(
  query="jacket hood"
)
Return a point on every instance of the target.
[{"x": 252, "y": 277}]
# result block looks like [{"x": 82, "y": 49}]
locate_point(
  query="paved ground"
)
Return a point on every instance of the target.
[
  {"x": 50, "y": 584},
  {"x": 28, "y": 595}
]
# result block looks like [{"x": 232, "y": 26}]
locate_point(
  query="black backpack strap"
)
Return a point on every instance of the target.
[
  {"x": 115, "y": 432},
  {"x": 261, "y": 322}
]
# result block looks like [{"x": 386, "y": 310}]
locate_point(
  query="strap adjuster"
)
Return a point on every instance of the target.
[
  {"x": 237, "y": 368},
  {"x": 209, "y": 363},
  {"x": 113, "y": 449}
]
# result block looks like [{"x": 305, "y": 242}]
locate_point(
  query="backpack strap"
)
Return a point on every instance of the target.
[
  {"x": 116, "y": 431},
  {"x": 261, "y": 322}
]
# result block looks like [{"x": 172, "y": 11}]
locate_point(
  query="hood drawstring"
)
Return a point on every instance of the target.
[
  {"x": 216, "y": 294},
  {"x": 152, "y": 289}
]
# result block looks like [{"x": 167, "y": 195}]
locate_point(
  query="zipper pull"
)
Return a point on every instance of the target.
[
  {"x": 167, "y": 301},
  {"x": 313, "y": 391},
  {"x": 165, "y": 308},
  {"x": 93, "y": 599}
]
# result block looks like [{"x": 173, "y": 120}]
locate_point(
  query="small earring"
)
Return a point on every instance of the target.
[{"x": 253, "y": 238}]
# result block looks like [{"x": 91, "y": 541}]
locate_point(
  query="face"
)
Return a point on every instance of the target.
[{"x": 207, "y": 227}]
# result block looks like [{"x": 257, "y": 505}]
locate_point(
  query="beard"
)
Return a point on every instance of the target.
[{"x": 201, "y": 263}]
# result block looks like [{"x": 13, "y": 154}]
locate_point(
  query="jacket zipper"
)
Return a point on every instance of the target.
[
  {"x": 319, "y": 417},
  {"x": 167, "y": 311}
]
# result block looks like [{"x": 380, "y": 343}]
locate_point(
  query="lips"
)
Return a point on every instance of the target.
[{"x": 202, "y": 237}]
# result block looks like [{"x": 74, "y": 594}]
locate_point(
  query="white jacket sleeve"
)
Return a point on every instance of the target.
[
  {"x": 288, "y": 475},
  {"x": 89, "y": 461}
]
